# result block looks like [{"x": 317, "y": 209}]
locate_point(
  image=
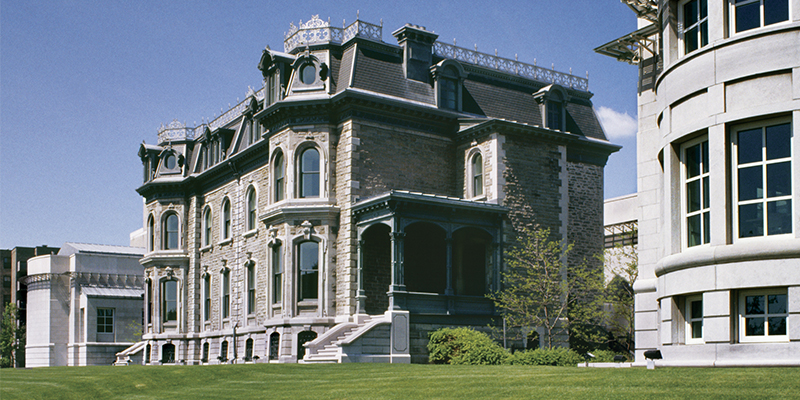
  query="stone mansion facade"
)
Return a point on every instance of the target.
[
  {"x": 719, "y": 187},
  {"x": 362, "y": 198}
]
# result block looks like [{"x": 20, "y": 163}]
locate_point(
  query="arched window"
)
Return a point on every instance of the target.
[
  {"x": 279, "y": 173},
  {"x": 171, "y": 232},
  {"x": 170, "y": 161},
  {"x": 226, "y": 293},
  {"x": 308, "y": 73},
  {"x": 205, "y": 353},
  {"x": 223, "y": 351},
  {"x": 169, "y": 302},
  {"x": 274, "y": 345},
  {"x": 308, "y": 265},
  {"x": 251, "y": 288},
  {"x": 151, "y": 233},
  {"x": 207, "y": 226},
  {"x": 303, "y": 338},
  {"x": 309, "y": 173},
  {"x": 251, "y": 209},
  {"x": 226, "y": 219},
  {"x": 477, "y": 175},
  {"x": 248, "y": 349},
  {"x": 277, "y": 272},
  {"x": 207, "y": 297},
  {"x": 168, "y": 353}
]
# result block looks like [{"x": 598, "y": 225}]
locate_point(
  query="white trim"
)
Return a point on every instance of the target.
[
  {"x": 684, "y": 198},
  {"x": 742, "y": 313}
]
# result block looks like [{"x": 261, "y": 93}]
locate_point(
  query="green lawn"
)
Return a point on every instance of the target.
[{"x": 376, "y": 381}]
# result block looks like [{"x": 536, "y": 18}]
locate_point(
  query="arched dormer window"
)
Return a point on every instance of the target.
[
  {"x": 226, "y": 219},
  {"x": 207, "y": 224},
  {"x": 252, "y": 207},
  {"x": 552, "y": 101},
  {"x": 476, "y": 175},
  {"x": 310, "y": 73},
  {"x": 151, "y": 233},
  {"x": 171, "y": 231},
  {"x": 279, "y": 177},
  {"x": 449, "y": 76},
  {"x": 308, "y": 182}
]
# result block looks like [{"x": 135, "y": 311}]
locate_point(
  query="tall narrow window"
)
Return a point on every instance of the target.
[
  {"x": 205, "y": 353},
  {"x": 763, "y": 180},
  {"x": 477, "y": 175},
  {"x": 751, "y": 14},
  {"x": 693, "y": 24},
  {"x": 554, "y": 114},
  {"x": 694, "y": 320},
  {"x": 207, "y": 297},
  {"x": 277, "y": 272},
  {"x": 248, "y": 349},
  {"x": 448, "y": 82},
  {"x": 169, "y": 293},
  {"x": 697, "y": 193},
  {"x": 151, "y": 233},
  {"x": 251, "y": 209},
  {"x": 279, "y": 173},
  {"x": 105, "y": 320},
  {"x": 274, "y": 345},
  {"x": 149, "y": 301},
  {"x": 308, "y": 262},
  {"x": 207, "y": 226},
  {"x": 309, "y": 173},
  {"x": 171, "y": 232},
  {"x": 226, "y": 219},
  {"x": 226, "y": 293},
  {"x": 223, "y": 351},
  {"x": 271, "y": 88},
  {"x": 251, "y": 288}
]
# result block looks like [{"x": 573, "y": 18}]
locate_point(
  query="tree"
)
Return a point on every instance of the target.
[
  {"x": 539, "y": 290},
  {"x": 623, "y": 262},
  {"x": 12, "y": 337}
]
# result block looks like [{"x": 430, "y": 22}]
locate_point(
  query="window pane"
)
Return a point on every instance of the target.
[
  {"x": 308, "y": 74},
  {"x": 703, "y": 9},
  {"x": 748, "y": 16},
  {"x": 694, "y": 230},
  {"x": 693, "y": 196},
  {"x": 697, "y": 309},
  {"x": 703, "y": 34},
  {"x": 749, "y": 148},
  {"x": 754, "y": 304},
  {"x": 779, "y": 217},
  {"x": 779, "y": 179},
  {"x": 309, "y": 173},
  {"x": 697, "y": 329},
  {"x": 777, "y": 326},
  {"x": 277, "y": 272},
  {"x": 706, "y": 193},
  {"x": 754, "y": 326},
  {"x": 309, "y": 263},
  {"x": 690, "y": 13},
  {"x": 775, "y": 11},
  {"x": 705, "y": 157},
  {"x": 751, "y": 220},
  {"x": 779, "y": 138},
  {"x": 690, "y": 40},
  {"x": 776, "y": 303},
  {"x": 693, "y": 161},
  {"x": 750, "y": 183},
  {"x": 706, "y": 227}
]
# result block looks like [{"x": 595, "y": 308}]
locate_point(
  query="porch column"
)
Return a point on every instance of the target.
[
  {"x": 398, "y": 278},
  {"x": 449, "y": 244},
  {"x": 361, "y": 295}
]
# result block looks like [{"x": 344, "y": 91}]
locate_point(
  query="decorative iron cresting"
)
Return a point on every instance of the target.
[
  {"x": 316, "y": 31},
  {"x": 515, "y": 67}
]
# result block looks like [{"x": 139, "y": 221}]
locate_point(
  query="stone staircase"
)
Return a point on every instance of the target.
[
  {"x": 131, "y": 355},
  {"x": 343, "y": 342}
]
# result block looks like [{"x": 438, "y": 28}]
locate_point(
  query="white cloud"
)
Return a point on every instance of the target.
[{"x": 617, "y": 125}]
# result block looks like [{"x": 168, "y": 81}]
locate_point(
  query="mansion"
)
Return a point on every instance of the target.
[{"x": 361, "y": 199}]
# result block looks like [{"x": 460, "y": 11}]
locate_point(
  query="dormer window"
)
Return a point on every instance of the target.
[
  {"x": 308, "y": 74},
  {"x": 552, "y": 101},
  {"x": 449, "y": 75},
  {"x": 170, "y": 161}
]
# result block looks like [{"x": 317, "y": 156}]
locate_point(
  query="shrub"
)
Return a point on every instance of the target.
[
  {"x": 604, "y": 356},
  {"x": 562, "y": 357},
  {"x": 464, "y": 346}
]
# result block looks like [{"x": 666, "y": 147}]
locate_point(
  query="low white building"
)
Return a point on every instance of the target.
[{"x": 84, "y": 304}]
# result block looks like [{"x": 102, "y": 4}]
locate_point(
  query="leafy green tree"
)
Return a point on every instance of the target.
[
  {"x": 539, "y": 290},
  {"x": 12, "y": 337}
]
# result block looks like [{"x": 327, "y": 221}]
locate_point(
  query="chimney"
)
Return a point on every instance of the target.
[{"x": 417, "y": 44}]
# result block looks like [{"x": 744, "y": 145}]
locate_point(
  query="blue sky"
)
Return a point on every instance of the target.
[{"x": 83, "y": 83}]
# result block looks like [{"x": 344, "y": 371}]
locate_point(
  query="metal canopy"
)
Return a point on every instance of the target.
[
  {"x": 645, "y": 9},
  {"x": 629, "y": 47}
]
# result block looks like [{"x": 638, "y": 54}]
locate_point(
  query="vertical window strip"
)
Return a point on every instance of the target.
[{"x": 697, "y": 194}]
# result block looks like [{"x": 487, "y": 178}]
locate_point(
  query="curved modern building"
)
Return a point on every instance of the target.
[{"x": 719, "y": 187}]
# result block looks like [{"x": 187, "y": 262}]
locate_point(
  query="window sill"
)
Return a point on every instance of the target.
[
  {"x": 226, "y": 242},
  {"x": 250, "y": 233},
  {"x": 207, "y": 248}
]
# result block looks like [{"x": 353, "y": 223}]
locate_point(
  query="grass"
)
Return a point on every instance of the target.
[{"x": 387, "y": 381}]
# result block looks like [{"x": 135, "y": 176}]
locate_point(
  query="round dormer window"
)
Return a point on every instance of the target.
[
  {"x": 169, "y": 161},
  {"x": 308, "y": 74}
]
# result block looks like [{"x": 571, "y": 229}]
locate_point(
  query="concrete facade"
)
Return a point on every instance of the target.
[
  {"x": 361, "y": 198},
  {"x": 719, "y": 233},
  {"x": 85, "y": 305}
]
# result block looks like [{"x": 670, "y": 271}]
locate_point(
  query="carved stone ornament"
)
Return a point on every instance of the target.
[
  {"x": 169, "y": 272},
  {"x": 272, "y": 236},
  {"x": 307, "y": 229}
]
